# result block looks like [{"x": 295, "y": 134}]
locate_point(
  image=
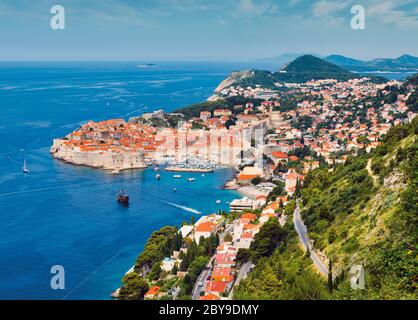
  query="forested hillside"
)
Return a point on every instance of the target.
[{"x": 363, "y": 212}]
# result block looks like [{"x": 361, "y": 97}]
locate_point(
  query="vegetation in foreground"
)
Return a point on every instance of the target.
[{"x": 362, "y": 213}]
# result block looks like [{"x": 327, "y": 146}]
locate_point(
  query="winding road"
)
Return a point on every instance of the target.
[{"x": 303, "y": 236}]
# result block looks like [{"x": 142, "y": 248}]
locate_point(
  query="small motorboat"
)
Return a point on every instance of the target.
[
  {"x": 25, "y": 167},
  {"x": 218, "y": 201},
  {"x": 116, "y": 171},
  {"x": 177, "y": 176},
  {"x": 191, "y": 179},
  {"x": 123, "y": 197},
  {"x": 157, "y": 176},
  {"x": 175, "y": 190}
]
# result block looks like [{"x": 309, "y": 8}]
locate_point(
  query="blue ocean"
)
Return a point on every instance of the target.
[{"x": 66, "y": 215}]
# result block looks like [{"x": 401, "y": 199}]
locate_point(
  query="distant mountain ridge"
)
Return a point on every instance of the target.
[
  {"x": 403, "y": 63},
  {"x": 286, "y": 58}
]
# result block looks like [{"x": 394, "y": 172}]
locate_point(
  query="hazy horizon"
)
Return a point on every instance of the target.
[
  {"x": 197, "y": 59},
  {"x": 201, "y": 30}
]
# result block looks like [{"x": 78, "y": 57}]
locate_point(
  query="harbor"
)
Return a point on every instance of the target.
[
  {"x": 189, "y": 169},
  {"x": 93, "y": 236}
]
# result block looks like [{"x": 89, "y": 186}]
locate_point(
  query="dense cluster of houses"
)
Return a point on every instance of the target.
[
  {"x": 238, "y": 234},
  {"x": 335, "y": 119},
  {"x": 223, "y": 275}
]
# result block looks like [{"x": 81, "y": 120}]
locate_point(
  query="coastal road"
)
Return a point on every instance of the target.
[
  {"x": 204, "y": 274},
  {"x": 202, "y": 278},
  {"x": 242, "y": 274},
  {"x": 228, "y": 229},
  {"x": 303, "y": 236}
]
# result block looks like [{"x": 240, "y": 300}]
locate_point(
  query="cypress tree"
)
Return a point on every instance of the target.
[
  {"x": 175, "y": 269},
  {"x": 174, "y": 242},
  {"x": 330, "y": 276},
  {"x": 179, "y": 240}
]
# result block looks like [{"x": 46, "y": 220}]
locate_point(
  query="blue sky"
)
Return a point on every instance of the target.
[{"x": 204, "y": 29}]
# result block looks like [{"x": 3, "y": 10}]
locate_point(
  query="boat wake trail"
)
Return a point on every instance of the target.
[{"x": 184, "y": 208}]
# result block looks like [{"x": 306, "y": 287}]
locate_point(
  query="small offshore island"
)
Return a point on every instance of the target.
[{"x": 311, "y": 141}]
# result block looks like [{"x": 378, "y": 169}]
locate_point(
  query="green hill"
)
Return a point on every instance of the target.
[
  {"x": 365, "y": 212},
  {"x": 302, "y": 69},
  {"x": 316, "y": 67}
]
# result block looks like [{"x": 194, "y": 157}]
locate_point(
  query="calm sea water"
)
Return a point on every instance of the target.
[{"x": 60, "y": 214}]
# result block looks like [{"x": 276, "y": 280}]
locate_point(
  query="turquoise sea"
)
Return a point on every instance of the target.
[{"x": 65, "y": 215}]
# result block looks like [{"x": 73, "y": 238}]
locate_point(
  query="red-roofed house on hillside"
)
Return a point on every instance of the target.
[
  {"x": 216, "y": 287},
  {"x": 246, "y": 178},
  {"x": 225, "y": 260},
  {"x": 226, "y": 247},
  {"x": 247, "y": 218},
  {"x": 204, "y": 229},
  {"x": 152, "y": 293},
  {"x": 244, "y": 241},
  {"x": 222, "y": 274},
  {"x": 279, "y": 156}
]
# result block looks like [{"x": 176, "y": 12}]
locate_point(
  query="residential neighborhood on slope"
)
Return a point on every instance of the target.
[{"x": 273, "y": 141}]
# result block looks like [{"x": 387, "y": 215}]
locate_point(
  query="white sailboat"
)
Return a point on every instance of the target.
[{"x": 25, "y": 167}]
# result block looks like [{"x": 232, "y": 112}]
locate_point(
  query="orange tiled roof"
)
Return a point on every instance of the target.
[
  {"x": 216, "y": 286},
  {"x": 205, "y": 227},
  {"x": 279, "y": 155},
  {"x": 247, "y": 176},
  {"x": 152, "y": 291},
  {"x": 221, "y": 272},
  {"x": 209, "y": 296},
  {"x": 249, "y": 216}
]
